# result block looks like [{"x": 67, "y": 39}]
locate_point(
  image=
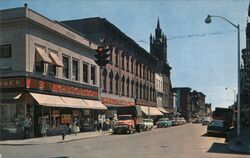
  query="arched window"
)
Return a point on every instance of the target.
[
  {"x": 144, "y": 91},
  {"x": 150, "y": 94},
  {"x": 127, "y": 86},
  {"x": 123, "y": 85},
  {"x": 111, "y": 55},
  {"x": 116, "y": 56},
  {"x": 123, "y": 59},
  {"x": 104, "y": 81},
  {"x": 132, "y": 65},
  {"x": 132, "y": 88},
  {"x": 116, "y": 83},
  {"x": 136, "y": 68},
  {"x": 127, "y": 59},
  {"x": 140, "y": 91},
  {"x": 137, "y": 89},
  {"x": 111, "y": 81}
]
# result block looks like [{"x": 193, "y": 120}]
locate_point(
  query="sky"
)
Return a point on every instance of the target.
[{"x": 202, "y": 56}]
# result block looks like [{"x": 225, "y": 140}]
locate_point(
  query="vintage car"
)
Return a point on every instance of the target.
[
  {"x": 206, "y": 121},
  {"x": 147, "y": 124},
  {"x": 217, "y": 127},
  {"x": 163, "y": 122}
]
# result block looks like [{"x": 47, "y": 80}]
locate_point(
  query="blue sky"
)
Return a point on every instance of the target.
[{"x": 206, "y": 63}]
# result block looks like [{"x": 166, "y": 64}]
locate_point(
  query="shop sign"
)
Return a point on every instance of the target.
[
  {"x": 116, "y": 102},
  {"x": 12, "y": 83},
  {"x": 66, "y": 118},
  {"x": 75, "y": 113},
  {"x": 55, "y": 113},
  {"x": 60, "y": 88}
]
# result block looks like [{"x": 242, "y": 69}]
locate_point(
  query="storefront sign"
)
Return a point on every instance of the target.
[
  {"x": 55, "y": 113},
  {"x": 143, "y": 102},
  {"x": 59, "y": 88},
  {"x": 116, "y": 102},
  {"x": 66, "y": 118},
  {"x": 12, "y": 83}
]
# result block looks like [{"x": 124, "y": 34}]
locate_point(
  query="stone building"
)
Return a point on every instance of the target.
[
  {"x": 47, "y": 71},
  {"x": 158, "y": 48},
  {"x": 129, "y": 77}
]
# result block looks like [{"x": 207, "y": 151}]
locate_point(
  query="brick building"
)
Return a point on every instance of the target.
[{"x": 129, "y": 78}]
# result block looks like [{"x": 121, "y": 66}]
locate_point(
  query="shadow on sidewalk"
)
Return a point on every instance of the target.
[
  {"x": 60, "y": 157},
  {"x": 214, "y": 135},
  {"x": 220, "y": 148}
]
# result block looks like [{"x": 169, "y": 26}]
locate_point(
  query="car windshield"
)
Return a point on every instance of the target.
[
  {"x": 124, "y": 118},
  {"x": 164, "y": 119},
  {"x": 217, "y": 123}
]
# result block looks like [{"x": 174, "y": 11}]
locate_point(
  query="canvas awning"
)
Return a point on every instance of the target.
[
  {"x": 54, "y": 58},
  {"x": 58, "y": 101},
  {"x": 162, "y": 110},
  {"x": 5, "y": 97},
  {"x": 93, "y": 104},
  {"x": 151, "y": 111},
  {"x": 41, "y": 55},
  {"x": 75, "y": 102}
]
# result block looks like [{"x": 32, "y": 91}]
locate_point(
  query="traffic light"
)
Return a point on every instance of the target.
[{"x": 102, "y": 56}]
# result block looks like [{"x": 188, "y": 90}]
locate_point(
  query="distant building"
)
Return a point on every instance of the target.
[{"x": 183, "y": 102}]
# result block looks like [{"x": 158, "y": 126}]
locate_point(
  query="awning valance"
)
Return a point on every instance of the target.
[
  {"x": 75, "y": 102},
  {"x": 93, "y": 104},
  {"x": 55, "y": 59},
  {"x": 151, "y": 111},
  {"x": 41, "y": 55},
  {"x": 162, "y": 110}
]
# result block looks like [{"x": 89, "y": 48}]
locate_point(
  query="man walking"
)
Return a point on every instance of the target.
[{"x": 27, "y": 125}]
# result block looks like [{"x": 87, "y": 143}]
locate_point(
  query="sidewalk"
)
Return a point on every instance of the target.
[
  {"x": 245, "y": 142},
  {"x": 54, "y": 139}
]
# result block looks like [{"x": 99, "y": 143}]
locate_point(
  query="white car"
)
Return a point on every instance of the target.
[{"x": 147, "y": 124}]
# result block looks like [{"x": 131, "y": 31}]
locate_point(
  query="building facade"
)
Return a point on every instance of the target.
[
  {"x": 129, "y": 77},
  {"x": 158, "y": 48},
  {"x": 47, "y": 71}
]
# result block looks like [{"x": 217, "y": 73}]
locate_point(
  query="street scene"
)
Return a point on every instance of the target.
[
  {"x": 124, "y": 79},
  {"x": 163, "y": 142}
]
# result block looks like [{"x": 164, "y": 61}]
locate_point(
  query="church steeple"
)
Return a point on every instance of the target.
[{"x": 158, "y": 30}]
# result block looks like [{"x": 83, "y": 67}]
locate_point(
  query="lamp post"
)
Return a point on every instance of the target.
[
  {"x": 208, "y": 20},
  {"x": 233, "y": 91}
]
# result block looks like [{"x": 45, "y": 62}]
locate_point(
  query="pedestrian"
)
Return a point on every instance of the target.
[
  {"x": 99, "y": 127},
  {"x": 27, "y": 124},
  {"x": 70, "y": 128},
  {"x": 105, "y": 126},
  {"x": 76, "y": 127},
  {"x": 44, "y": 127},
  {"x": 95, "y": 125}
]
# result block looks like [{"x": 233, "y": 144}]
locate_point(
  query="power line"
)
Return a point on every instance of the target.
[{"x": 196, "y": 35}]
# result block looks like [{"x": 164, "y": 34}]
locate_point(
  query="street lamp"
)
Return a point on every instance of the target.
[
  {"x": 208, "y": 20},
  {"x": 233, "y": 91}
]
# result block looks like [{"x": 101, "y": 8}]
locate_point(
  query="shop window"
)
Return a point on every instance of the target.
[
  {"x": 75, "y": 70},
  {"x": 5, "y": 51},
  {"x": 85, "y": 69},
  {"x": 93, "y": 75},
  {"x": 65, "y": 67},
  {"x": 51, "y": 70}
]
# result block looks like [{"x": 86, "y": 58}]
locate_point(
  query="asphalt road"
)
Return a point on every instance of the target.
[{"x": 186, "y": 141}]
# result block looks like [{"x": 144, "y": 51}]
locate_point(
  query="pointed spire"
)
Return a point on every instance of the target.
[{"x": 158, "y": 23}]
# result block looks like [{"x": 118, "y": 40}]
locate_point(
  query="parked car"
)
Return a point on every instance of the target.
[
  {"x": 182, "y": 120},
  {"x": 163, "y": 122},
  {"x": 174, "y": 122},
  {"x": 197, "y": 120},
  {"x": 217, "y": 127},
  {"x": 147, "y": 124},
  {"x": 206, "y": 121}
]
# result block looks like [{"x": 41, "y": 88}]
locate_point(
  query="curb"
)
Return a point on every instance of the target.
[{"x": 55, "y": 142}]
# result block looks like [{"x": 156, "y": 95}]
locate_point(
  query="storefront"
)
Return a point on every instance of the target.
[{"x": 59, "y": 104}]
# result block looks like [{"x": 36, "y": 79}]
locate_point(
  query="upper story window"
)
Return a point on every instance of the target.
[
  {"x": 75, "y": 72},
  {"x": 65, "y": 67},
  {"x": 85, "y": 69},
  {"x": 111, "y": 55},
  {"x": 132, "y": 65},
  {"x": 41, "y": 57},
  {"x": 116, "y": 56},
  {"x": 127, "y": 59},
  {"x": 123, "y": 60},
  {"x": 93, "y": 74},
  {"x": 5, "y": 51},
  {"x": 52, "y": 70}
]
